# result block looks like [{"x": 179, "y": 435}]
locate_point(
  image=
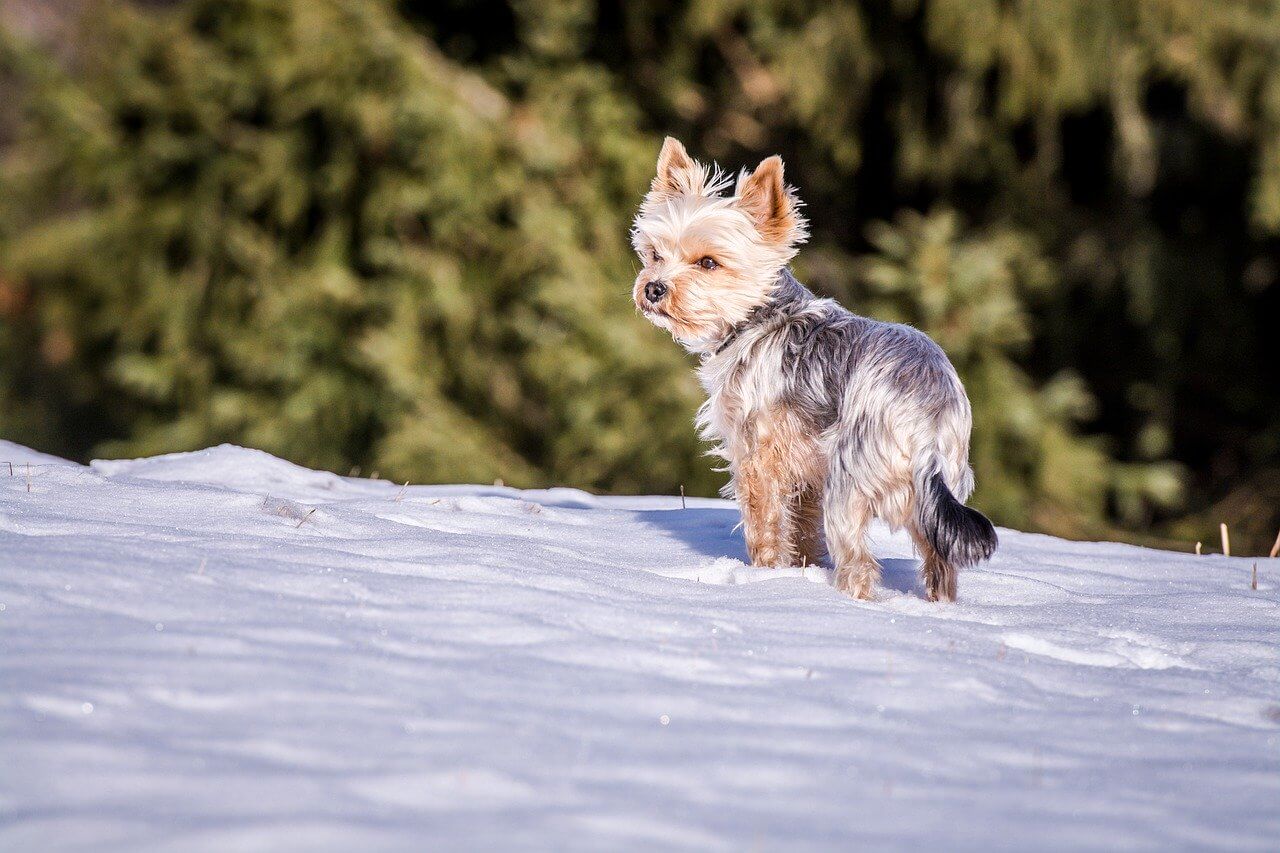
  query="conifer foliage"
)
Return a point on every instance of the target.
[
  {"x": 393, "y": 235},
  {"x": 293, "y": 225}
]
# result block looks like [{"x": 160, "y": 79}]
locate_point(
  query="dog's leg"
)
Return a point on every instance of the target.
[
  {"x": 763, "y": 498},
  {"x": 774, "y": 483},
  {"x": 846, "y": 517},
  {"x": 806, "y": 530},
  {"x": 939, "y": 575}
]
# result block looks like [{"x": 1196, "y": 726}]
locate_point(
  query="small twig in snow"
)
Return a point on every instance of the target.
[
  {"x": 10, "y": 464},
  {"x": 1226, "y": 539},
  {"x": 401, "y": 492},
  {"x": 1254, "y": 583},
  {"x": 1197, "y": 549},
  {"x": 682, "y": 503},
  {"x": 28, "y": 478},
  {"x": 305, "y": 517}
]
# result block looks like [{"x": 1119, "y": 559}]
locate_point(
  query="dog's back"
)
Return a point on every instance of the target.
[
  {"x": 886, "y": 387},
  {"x": 890, "y": 416}
]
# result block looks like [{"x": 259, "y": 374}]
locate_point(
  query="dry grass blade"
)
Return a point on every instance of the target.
[
  {"x": 1226, "y": 539},
  {"x": 305, "y": 517}
]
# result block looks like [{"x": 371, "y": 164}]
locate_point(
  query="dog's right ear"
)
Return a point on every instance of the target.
[{"x": 677, "y": 172}]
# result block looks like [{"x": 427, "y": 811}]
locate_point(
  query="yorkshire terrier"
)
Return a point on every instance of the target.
[{"x": 826, "y": 419}]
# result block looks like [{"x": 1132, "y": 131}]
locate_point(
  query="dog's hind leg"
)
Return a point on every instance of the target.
[
  {"x": 940, "y": 581},
  {"x": 846, "y": 516}
]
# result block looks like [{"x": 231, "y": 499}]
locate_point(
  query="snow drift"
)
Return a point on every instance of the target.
[{"x": 221, "y": 649}]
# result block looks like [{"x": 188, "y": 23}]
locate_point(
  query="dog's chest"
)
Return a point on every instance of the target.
[{"x": 740, "y": 392}]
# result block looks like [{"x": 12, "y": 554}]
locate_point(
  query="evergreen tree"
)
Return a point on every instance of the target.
[
  {"x": 394, "y": 236},
  {"x": 1132, "y": 144},
  {"x": 295, "y": 226}
]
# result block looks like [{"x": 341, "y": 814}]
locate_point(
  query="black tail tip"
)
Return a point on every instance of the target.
[{"x": 962, "y": 536}]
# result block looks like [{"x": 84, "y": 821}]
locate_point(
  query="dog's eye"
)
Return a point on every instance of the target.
[
  {"x": 708, "y": 263},
  {"x": 657, "y": 259}
]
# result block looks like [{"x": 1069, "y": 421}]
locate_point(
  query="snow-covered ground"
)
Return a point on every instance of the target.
[{"x": 221, "y": 650}]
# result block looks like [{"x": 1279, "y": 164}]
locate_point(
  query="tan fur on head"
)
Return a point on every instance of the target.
[{"x": 685, "y": 221}]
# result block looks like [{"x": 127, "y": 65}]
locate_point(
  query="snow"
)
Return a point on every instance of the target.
[{"x": 223, "y": 650}]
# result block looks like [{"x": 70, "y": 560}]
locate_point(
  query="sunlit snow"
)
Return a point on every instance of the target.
[{"x": 221, "y": 649}]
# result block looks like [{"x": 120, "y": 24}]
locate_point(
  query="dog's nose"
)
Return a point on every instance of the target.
[{"x": 654, "y": 291}]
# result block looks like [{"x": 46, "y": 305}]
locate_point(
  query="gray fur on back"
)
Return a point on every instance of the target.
[
  {"x": 823, "y": 346},
  {"x": 881, "y": 405}
]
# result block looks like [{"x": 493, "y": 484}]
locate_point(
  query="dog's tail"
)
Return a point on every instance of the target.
[{"x": 961, "y": 536}]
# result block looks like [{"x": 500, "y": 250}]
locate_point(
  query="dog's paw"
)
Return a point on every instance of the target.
[{"x": 856, "y": 583}]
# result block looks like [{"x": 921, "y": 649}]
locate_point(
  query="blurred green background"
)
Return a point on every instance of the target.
[{"x": 392, "y": 237}]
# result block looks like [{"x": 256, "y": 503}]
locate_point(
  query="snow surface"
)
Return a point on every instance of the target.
[{"x": 221, "y": 650}]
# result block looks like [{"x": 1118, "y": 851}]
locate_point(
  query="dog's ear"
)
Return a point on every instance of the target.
[
  {"x": 677, "y": 173},
  {"x": 771, "y": 204}
]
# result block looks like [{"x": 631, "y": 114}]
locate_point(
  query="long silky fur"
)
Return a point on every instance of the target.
[
  {"x": 961, "y": 536},
  {"x": 868, "y": 417}
]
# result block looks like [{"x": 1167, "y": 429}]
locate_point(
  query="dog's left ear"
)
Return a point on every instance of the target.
[{"x": 772, "y": 205}]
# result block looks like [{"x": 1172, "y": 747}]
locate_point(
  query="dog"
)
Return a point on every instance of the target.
[{"x": 827, "y": 419}]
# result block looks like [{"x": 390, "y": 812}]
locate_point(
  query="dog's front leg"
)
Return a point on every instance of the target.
[
  {"x": 764, "y": 491},
  {"x": 806, "y": 519},
  {"x": 762, "y": 501}
]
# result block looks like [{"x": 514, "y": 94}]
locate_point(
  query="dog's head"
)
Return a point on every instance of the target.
[{"x": 709, "y": 258}]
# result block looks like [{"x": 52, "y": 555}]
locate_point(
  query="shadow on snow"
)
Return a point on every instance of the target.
[{"x": 714, "y": 533}]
